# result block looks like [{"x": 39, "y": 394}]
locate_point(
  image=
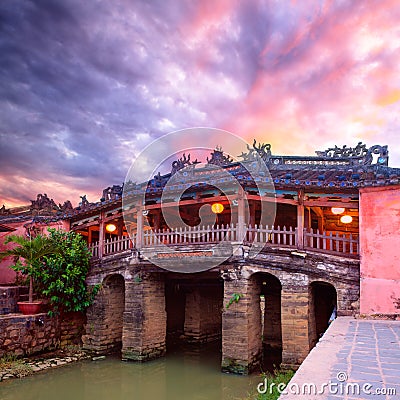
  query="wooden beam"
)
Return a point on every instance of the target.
[
  {"x": 86, "y": 225},
  {"x": 191, "y": 202},
  {"x": 323, "y": 203}
]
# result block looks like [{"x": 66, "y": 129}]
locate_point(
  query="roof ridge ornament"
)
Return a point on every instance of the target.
[
  {"x": 218, "y": 157},
  {"x": 358, "y": 154},
  {"x": 263, "y": 150},
  {"x": 182, "y": 162}
]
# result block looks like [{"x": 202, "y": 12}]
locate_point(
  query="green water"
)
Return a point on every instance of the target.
[{"x": 189, "y": 374}]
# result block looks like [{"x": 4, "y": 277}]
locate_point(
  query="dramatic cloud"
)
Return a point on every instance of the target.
[{"x": 85, "y": 86}]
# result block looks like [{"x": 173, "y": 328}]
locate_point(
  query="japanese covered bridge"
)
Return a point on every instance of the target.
[{"x": 257, "y": 258}]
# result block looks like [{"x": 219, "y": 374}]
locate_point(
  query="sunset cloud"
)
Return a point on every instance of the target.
[{"x": 86, "y": 86}]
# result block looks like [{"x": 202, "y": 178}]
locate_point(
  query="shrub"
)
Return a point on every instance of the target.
[{"x": 62, "y": 276}]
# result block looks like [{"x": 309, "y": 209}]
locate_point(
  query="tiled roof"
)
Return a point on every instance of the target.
[{"x": 335, "y": 169}]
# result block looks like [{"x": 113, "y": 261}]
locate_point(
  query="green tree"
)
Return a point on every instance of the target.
[
  {"x": 29, "y": 255},
  {"x": 63, "y": 274}
]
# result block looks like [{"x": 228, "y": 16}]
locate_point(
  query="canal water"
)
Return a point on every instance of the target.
[{"x": 188, "y": 373}]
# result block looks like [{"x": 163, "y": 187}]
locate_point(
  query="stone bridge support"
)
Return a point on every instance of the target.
[
  {"x": 295, "y": 322},
  {"x": 241, "y": 325},
  {"x": 242, "y": 336},
  {"x": 104, "y": 317},
  {"x": 145, "y": 318}
]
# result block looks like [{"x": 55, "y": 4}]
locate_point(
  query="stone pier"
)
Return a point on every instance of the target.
[
  {"x": 145, "y": 318},
  {"x": 241, "y": 326},
  {"x": 203, "y": 314}
]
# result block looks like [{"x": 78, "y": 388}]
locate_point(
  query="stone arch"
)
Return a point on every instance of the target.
[
  {"x": 323, "y": 301},
  {"x": 269, "y": 290},
  {"x": 105, "y": 316}
]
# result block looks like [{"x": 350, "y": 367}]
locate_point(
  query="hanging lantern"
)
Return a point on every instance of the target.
[
  {"x": 337, "y": 210},
  {"x": 111, "y": 228},
  {"x": 346, "y": 219},
  {"x": 217, "y": 208}
]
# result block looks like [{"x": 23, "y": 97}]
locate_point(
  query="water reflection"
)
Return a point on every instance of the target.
[{"x": 190, "y": 373}]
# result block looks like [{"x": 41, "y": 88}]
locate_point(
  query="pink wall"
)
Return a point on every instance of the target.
[
  {"x": 380, "y": 250},
  {"x": 7, "y": 275}
]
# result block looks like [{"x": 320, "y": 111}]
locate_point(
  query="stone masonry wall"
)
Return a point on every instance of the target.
[
  {"x": 23, "y": 335},
  {"x": 105, "y": 316},
  {"x": 203, "y": 314},
  {"x": 72, "y": 327}
]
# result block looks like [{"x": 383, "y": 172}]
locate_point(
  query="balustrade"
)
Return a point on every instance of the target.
[{"x": 326, "y": 242}]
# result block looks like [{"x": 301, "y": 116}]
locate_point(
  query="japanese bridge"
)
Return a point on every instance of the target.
[{"x": 260, "y": 261}]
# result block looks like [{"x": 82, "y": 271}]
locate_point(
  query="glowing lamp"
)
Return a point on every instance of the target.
[
  {"x": 217, "y": 208},
  {"x": 337, "y": 210},
  {"x": 111, "y": 228},
  {"x": 346, "y": 219}
]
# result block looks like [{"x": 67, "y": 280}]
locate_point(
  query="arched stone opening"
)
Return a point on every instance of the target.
[
  {"x": 105, "y": 317},
  {"x": 194, "y": 308},
  {"x": 323, "y": 302},
  {"x": 270, "y": 288}
]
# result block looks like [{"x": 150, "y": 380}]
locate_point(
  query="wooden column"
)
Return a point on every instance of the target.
[
  {"x": 120, "y": 227},
  {"x": 157, "y": 219},
  {"x": 252, "y": 214},
  {"x": 139, "y": 227},
  {"x": 89, "y": 235},
  {"x": 300, "y": 221},
  {"x": 101, "y": 235},
  {"x": 241, "y": 214}
]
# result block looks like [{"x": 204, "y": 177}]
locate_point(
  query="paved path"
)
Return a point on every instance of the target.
[{"x": 355, "y": 359}]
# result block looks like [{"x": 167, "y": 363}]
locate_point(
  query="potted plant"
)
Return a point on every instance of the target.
[{"x": 28, "y": 259}]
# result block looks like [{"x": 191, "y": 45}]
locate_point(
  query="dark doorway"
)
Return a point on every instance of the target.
[
  {"x": 323, "y": 303},
  {"x": 270, "y": 304}
]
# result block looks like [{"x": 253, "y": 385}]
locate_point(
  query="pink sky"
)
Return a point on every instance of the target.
[{"x": 84, "y": 87}]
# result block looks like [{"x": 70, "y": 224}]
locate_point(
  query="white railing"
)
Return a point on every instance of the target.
[
  {"x": 272, "y": 235},
  {"x": 331, "y": 242},
  {"x": 117, "y": 245},
  {"x": 191, "y": 235},
  {"x": 335, "y": 243},
  {"x": 94, "y": 249}
]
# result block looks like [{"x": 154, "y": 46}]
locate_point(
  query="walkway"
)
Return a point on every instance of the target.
[{"x": 355, "y": 359}]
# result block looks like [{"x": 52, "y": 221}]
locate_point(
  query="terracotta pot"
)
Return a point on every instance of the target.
[{"x": 27, "y": 308}]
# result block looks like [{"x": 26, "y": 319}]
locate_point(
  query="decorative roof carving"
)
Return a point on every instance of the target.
[
  {"x": 360, "y": 154},
  {"x": 43, "y": 204},
  {"x": 182, "y": 163},
  {"x": 262, "y": 150},
  {"x": 4, "y": 211},
  {"x": 218, "y": 158},
  {"x": 84, "y": 203},
  {"x": 66, "y": 207},
  {"x": 112, "y": 193}
]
